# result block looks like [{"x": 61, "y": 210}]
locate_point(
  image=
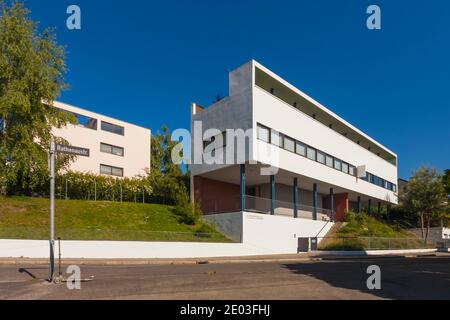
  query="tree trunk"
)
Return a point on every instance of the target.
[
  {"x": 422, "y": 226},
  {"x": 428, "y": 229}
]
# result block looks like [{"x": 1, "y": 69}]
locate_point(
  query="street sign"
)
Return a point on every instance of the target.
[{"x": 72, "y": 150}]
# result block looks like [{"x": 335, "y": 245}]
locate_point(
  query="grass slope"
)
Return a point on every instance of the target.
[
  {"x": 362, "y": 232},
  {"x": 28, "y": 218}
]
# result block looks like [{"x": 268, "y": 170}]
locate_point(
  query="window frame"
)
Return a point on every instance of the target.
[
  {"x": 122, "y": 133},
  {"x": 111, "y": 169}
]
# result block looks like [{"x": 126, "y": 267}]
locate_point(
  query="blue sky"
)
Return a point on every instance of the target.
[{"x": 146, "y": 61}]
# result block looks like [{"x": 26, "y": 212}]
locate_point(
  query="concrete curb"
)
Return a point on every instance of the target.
[{"x": 237, "y": 260}]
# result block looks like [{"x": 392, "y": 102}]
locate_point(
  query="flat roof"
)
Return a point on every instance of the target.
[
  {"x": 320, "y": 107},
  {"x": 93, "y": 114}
]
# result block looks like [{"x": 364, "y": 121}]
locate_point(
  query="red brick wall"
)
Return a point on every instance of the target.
[
  {"x": 216, "y": 196},
  {"x": 341, "y": 205}
]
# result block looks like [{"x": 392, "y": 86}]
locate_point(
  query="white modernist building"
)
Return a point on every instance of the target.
[
  {"x": 116, "y": 148},
  {"x": 321, "y": 165}
]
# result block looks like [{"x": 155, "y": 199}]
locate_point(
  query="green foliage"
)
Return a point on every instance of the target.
[
  {"x": 86, "y": 186},
  {"x": 187, "y": 212},
  {"x": 446, "y": 180},
  {"x": 32, "y": 66},
  {"x": 28, "y": 218},
  {"x": 363, "y": 225},
  {"x": 426, "y": 198}
]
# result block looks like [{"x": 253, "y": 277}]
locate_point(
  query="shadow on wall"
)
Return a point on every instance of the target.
[{"x": 401, "y": 278}]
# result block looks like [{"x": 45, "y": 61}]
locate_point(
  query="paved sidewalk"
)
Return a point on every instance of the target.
[{"x": 312, "y": 256}]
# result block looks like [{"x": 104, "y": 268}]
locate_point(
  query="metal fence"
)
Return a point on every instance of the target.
[
  {"x": 263, "y": 206},
  {"x": 372, "y": 243},
  {"x": 42, "y": 233}
]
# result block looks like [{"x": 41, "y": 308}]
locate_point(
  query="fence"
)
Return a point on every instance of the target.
[
  {"x": 372, "y": 243},
  {"x": 264, "y": 205},
  {"x": 42, "y": 233}
]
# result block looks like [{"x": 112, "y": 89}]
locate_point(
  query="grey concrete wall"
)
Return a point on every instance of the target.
[{"x": 230, "y": 224}]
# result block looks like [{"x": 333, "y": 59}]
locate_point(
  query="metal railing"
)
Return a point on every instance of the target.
[
  {"x": 264, "y": 205},
  {"x": 372, "y": 243}
]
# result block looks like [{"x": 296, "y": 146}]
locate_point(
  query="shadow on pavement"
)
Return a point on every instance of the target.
[{"x": 401, "y": 278}]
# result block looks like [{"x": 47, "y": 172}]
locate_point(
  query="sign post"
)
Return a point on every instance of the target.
[
  {"x": 57, "y": 148},
  {"x": 52, "y": 209}
]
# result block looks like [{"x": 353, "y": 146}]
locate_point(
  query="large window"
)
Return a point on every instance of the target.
[
  {"x": 86, "y": 122},
  {"x": 311, "y": 153},
  {"x": 321, "y": 157},
  {"x": 107, "y": 148},
  {"x": 111, "y": 171},
  {"x": 301, "y": 149},
  {"x": 351, "y": 170},
  {"x": 263, "y": 133},
  {"x": 337, "y": 164},
  {"x": 113, "y": 128},
  {"x": 279, "y": 139},
  {"x": 275, "y": 138},
  {"x": 289, "y": 144},
  {"x": 329, "y": 161},
  {"x": 344, "y": 167}
]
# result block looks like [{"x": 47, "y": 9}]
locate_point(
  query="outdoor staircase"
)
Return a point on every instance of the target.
[{"x": 332, "y": 233}]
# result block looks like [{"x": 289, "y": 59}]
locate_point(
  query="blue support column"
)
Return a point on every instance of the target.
[
  {"x": 295, "y": 190},
  {"x": 242, "y": 179},
  {"x": 359, "y": 205},
  {"x": 369, "y": 209},
  {"x": 332, "y": 205},
  {"x": 315, "y": 201},
  {"x": 379, "y": 210},
  {"x": 272, "y": 195}
]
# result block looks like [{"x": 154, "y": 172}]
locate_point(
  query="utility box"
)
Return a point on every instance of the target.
[
  {"x": 314, "y": 244},
  {"x": 303, "y": 245}
]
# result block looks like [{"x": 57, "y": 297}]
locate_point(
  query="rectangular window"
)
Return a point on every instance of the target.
[
  {"x": 113, "y": 128},
  {"x": 344, "y": 167},
  {"x": 321, "y": 157},
  {"x": 375, "y": 180},
  {"x": 111, "y": 171},
  {"x": 337, "y": 164},
  {"x": 263, "y": 133},
  {"x": 301, "y": 149},
  {"x": 289, "y": 144},
  {"x": 351, "y": 170},
  {"x": 86, "y": 122},
  {"x": 275, "y": 138},
  {"x": 329, "y": 161},
  {"x": 311, "y": 153},
  {"x": 107, "y": 148},
  {"x": 394, "y": 187}
]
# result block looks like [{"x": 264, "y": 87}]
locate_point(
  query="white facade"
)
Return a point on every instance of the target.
[
  {"x": 260, "y": 98},
  {"x": 116, "y": 148}
]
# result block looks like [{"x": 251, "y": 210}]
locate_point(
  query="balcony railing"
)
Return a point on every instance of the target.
[{"x": 263, "y": 206}]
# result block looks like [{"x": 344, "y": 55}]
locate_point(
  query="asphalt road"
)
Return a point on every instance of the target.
[{"x": 401, "y": 278}]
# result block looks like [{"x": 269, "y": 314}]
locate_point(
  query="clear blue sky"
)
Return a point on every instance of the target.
[{"x": 146, "y": 61}]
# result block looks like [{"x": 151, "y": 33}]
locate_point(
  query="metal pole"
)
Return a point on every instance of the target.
[
  {"x": 95, "y": 189},
  {"x": 66, "y": 188},
  {"x": 121, "y": 193},
  {"x": 52, "y": 209},
  {"x": 143, "y": 195}
]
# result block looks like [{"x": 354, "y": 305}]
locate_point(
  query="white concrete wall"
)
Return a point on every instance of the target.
[
  {"x": 136, "y": 144},
  {"x": 125, "y": 250},
  {"x": 233, "y": 112},
  {"x": 303, "y": 128},
  {"x": 279, "y": 234}
]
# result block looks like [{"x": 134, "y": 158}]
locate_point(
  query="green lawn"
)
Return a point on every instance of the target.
[
  {"x": 28, "y": 218},
  {"x": 362, "y": 232}
]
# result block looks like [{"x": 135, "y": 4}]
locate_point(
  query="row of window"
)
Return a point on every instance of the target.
[
  {"x": 278, "y": 139},
  {"x": 91, "y": 123},
  {"x": 115, "y": 150},
  {"x": 111, "y": 171},
  {"x": 380, "y": 182}
]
